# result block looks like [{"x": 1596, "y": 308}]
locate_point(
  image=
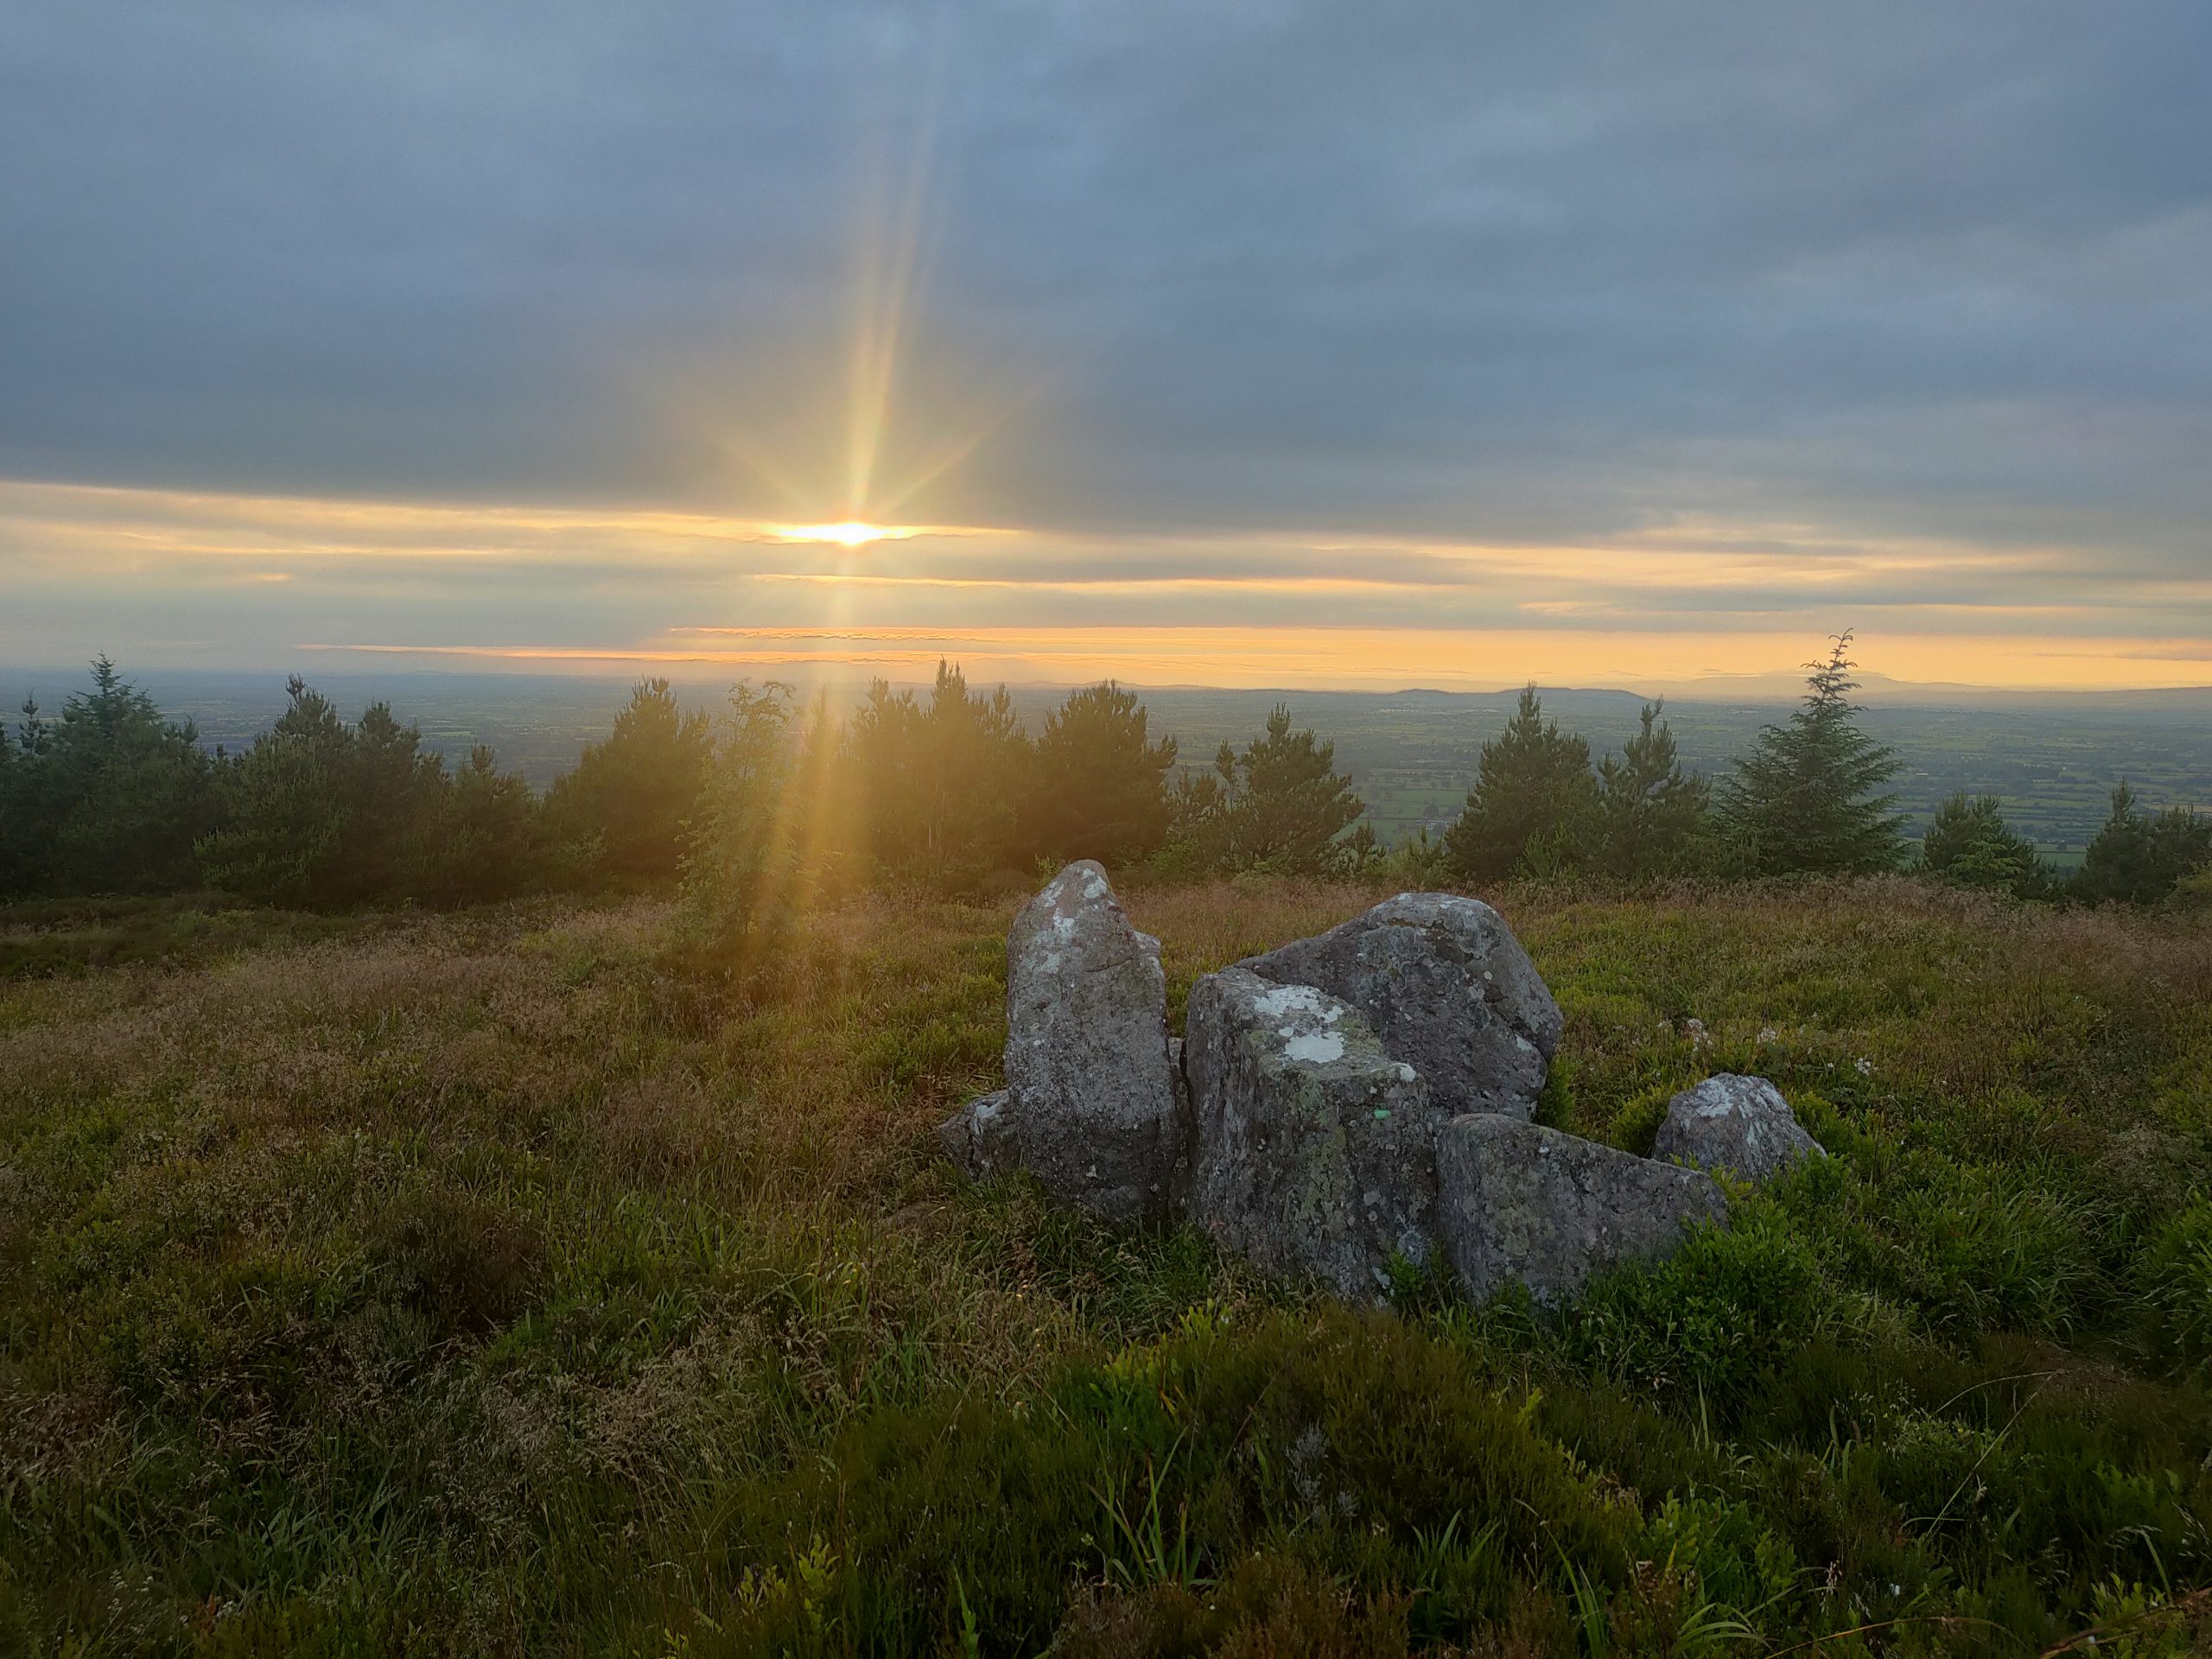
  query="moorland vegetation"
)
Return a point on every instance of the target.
[{"x": 382, "y": 1270}]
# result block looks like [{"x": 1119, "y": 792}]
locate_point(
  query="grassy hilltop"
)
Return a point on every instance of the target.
[{"x": 489, "y": 1283}]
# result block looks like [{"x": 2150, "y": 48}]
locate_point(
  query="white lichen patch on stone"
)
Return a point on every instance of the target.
[
  {"x": 1277, "y": 1000},
  {"x": 1314, "y": 1047}
]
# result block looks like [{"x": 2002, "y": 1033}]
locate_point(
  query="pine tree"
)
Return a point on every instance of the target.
[
  {"x": 393, "y": 793},
  {"x": 623, "y": 811},
  {"x": 1534, "y": 806},
  {"x": 323, "y": 814},
  {"x": 1198, "y": 805},
  {"x": 1286, "y": 804},
  {"x": 942, "y": 783},
  {"x": 1099, "y": 786},
  {"x": 1809, "y": 797},
  {"x": 1968, "y": 843},
  {"x": 748, "y": 878},
  {"x": 1652, "y": 814},
  {"x": 2138, "y": 858},
  {"x": 111, "y": 797},
  {"x": 285, "y": 809},
  {"x": 16, "y": 819},
  {"x": 489, "y": 845}
]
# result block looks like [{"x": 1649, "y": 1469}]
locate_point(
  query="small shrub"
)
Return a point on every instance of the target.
[
  {"x": 2174, "y": 1278},
  {"x": 1386, "y": 1459},
  {"x": 462, "y": 1266},
  {"x": 1700, "y": 1324}
]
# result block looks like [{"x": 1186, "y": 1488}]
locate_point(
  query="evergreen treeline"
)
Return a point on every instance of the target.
[{"x": 770, "y": 799}]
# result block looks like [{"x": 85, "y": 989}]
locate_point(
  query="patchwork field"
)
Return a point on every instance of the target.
[{"x": 495, "y": 1283}]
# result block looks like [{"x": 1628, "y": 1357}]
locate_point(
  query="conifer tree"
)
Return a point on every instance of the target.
[
  {"x": 392, "y": 792},
  {"x": 942, "y": 782},
  {"x": 1810, "y": 797},
  {"x": 16, "y": 819},
  {"x": 1099, "y": 786},
  {"x": 1286, "y": 805},
  {"x": 1534, "y": 807},
  {"x": 488, "y": 844},
  {"x": 1651, "y": 813},
  {"x": 747, "y": 877},
  {"x": 108, "y": 798},
  {"x": 1968, "y": 842},
  {"x": 623, "y": 811},
  {"x": 2138, "y": 858},
  {"x": 286, "y": 809}
]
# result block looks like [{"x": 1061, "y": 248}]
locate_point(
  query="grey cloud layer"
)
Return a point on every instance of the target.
[{"x": 1488, "y": 271}]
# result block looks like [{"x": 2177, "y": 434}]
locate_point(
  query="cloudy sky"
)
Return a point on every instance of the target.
[{"x": 1244, "y": 343}]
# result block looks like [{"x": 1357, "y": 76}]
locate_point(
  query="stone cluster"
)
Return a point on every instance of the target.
[{"x": 1347, "y": 1101}]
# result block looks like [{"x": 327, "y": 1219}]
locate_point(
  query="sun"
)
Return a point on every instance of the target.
[{"x": 850, "y": 532}]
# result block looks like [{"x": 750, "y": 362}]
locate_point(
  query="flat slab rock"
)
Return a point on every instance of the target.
[
  {"x": 1446, "y": 987},
  {"x": 1518, "y": 1202},
  {"x": 1738, "y": 1123},
  {"x": 1315, "y": 1147}
]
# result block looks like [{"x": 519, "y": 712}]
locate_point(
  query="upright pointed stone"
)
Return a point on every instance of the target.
[{"x": 1092, "y": 1105}]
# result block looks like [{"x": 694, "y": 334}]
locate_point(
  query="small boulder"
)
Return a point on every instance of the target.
[
  {"x": 1447, "y": 989},
  {"x": 1518, "y": 1202},
  {"x": 1737, "y": 1123},
  {"x": 979, "y": 1137},
  {"x": 1315, "y": 1149},
  {"x": 1092, "y": 1098}
]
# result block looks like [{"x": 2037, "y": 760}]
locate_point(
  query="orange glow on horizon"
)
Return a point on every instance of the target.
[
  {"x": 1709, "y": 664},
  {"x": 1679, "y": 604}
]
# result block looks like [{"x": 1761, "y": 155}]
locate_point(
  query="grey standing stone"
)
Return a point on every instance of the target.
[
  {"x": 1447, "y": 989},
  {"x": 1737, "y": 1123},
  {"x": 1517, "y": 1202},
  {"x": 1315, "y": 1149},
  {"x": 1092, "y": 1098}
]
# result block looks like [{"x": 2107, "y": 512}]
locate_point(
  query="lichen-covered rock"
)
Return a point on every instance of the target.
[
  {"x": 1443, "y": 983},
  {"x": 1518, "y": 1202},
  {"x": 1315, "y": 1151},
  {"x": 1738, "y": 1123},
  {"x": 1092, "y": 1100},
  {"x": 979, "y": 1137}
]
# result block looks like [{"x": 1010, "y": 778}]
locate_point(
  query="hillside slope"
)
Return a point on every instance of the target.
[{"x": 485, "y": 1284}]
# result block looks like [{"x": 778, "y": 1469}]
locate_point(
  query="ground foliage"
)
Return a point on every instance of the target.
[{"x": 493, "y": 1283}]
